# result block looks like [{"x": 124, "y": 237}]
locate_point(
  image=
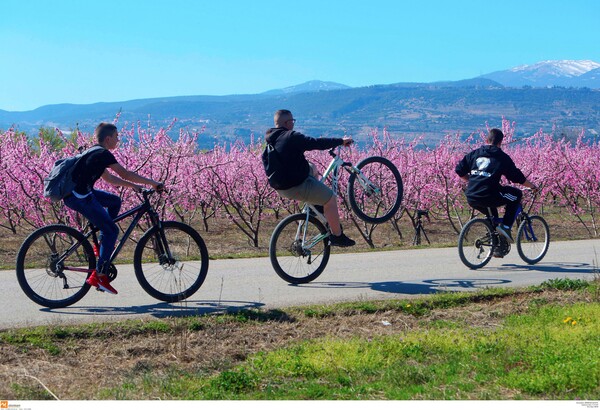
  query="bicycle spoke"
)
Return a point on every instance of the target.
[
  {"x": 175, "y": 271},
  {"x": 50, "y": 272},
  {"x": 298, "y": 250}
]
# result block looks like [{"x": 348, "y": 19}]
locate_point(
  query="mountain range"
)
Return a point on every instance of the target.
[{"x": 562, "y": 94}]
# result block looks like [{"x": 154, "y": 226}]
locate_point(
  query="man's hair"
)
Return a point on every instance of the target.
[
  {"x": 103, "y": 130},
  {"x": 495, "y": 136},
  {"x": 279, "y": 114}
]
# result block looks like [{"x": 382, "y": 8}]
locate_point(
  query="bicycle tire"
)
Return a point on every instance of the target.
[
  {"x": 171, "y": 280},
  {"x": 475, "y": 243},
  {"x": 368, "y": 204},
  {"x": 291, "y": 262},
  {"x": 38, "y": 273},
  {"x": 533, "y": 248}
]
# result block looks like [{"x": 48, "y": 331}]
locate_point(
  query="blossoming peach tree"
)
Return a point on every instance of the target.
[{"x": 228, "y": 184}]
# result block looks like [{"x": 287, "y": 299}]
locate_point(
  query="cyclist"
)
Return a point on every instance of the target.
[
  {"x": 101, "y": 207},
  {"x": 483, "y": 168},
  {"x": 300, "y": 182}
]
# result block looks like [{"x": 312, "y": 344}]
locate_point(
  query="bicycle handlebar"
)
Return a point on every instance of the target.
[{"x": 148, "y": 192}]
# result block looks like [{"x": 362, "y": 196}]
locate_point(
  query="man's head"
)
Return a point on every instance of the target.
[
  {"x": 107, "y": 135},
  {"x": 495, "y": 137},
  {"x": 284, "y": 119}
]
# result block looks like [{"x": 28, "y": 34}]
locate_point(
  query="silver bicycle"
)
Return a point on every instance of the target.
[{"x": 299, "y": 248}]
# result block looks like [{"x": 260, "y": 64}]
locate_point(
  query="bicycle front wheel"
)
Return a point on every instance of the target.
[
  {"x": 53, "y": 264},
  {"x": 376, "y": 192},
  {"x": 533, "y": 239},
  {"x": 475, "y": 243},
  {"x": 299, "y": 249},
  {"x": 171, "y": 267}
]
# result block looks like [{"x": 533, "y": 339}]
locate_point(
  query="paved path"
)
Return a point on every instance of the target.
[{"x": 252, "y": 283}]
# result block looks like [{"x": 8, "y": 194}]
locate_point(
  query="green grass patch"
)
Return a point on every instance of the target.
[
  {"x": 565, "y": 284},
  {"x": 551, "y": 353}
]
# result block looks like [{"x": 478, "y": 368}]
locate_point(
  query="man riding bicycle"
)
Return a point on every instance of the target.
[
  {"x": 483, "y": 168},
  {"x": 300, "y": 182},
  {"x": 100, "y": 207}
]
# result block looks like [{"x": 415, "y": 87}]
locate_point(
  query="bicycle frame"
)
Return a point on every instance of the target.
[
  {"x": 334, "y": 170},
  {"x": 138, "y": 213}
]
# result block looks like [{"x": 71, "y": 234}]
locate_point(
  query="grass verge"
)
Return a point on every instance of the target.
[{"x": 535, "y": 343}]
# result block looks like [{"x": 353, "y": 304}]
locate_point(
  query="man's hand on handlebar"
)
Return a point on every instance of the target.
[{"x": 347, "y": 141}]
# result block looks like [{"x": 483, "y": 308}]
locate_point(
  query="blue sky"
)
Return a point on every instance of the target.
[{"x": 80, "y": 51}]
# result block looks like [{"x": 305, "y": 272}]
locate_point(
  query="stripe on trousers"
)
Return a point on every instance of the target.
[{"x": 510, "y": 197}]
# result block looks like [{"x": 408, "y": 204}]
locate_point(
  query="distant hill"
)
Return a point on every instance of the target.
[
  {"x": 332, "y": 109},
  {"x": 309, "y": 86}
]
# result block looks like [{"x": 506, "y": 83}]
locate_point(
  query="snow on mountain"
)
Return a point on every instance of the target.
[
  {"x": 559, "y": 68},
  {"x": 565, "y": 73}
]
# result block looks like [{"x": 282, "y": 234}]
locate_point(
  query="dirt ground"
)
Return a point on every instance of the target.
[
  {"x": 115, "y": 355},
  {"x": 224, "y": 240}
]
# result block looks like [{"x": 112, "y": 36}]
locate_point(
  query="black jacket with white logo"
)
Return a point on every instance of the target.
[{"x": 485, "y": 166}]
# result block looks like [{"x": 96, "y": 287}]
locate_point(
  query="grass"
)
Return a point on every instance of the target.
[
  {"x": 536, "y": 343},
  {"x": 433, "y": 364}
]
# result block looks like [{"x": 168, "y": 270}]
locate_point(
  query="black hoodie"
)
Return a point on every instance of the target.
[
  {"x": 485, "y": 166},
  {"x": 291, "y": 146}
]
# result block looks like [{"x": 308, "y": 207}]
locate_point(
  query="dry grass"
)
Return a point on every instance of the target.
[{"x": 113, "y": 354}]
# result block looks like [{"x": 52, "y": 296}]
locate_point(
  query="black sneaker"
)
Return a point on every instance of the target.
[
  {"x": 342, "y": 241},
  {"x": 505, "y": 232}
]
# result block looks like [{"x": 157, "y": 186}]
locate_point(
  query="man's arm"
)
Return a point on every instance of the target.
[
  {"x": 310, "y": 144},
  {"x": 127, "y": 178}
]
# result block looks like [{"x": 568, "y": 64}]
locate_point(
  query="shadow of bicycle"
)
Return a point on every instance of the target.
[
  {"x": 427, "y": 287},
  {"x": 161, "y": 310},
  {"x": 551, "y": 267}
]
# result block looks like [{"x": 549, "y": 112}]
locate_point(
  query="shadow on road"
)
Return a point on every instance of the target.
[
  {"x": 427, "y": 287},
  {"x": 161, "y": 310},
  {"x": 563, "y": 267}
]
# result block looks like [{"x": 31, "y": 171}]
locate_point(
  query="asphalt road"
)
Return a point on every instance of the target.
[{"x": 252, "y": 283}]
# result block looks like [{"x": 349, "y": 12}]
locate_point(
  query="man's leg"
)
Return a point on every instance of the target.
[
  {"x": 512, "y": 198},
  {"x": 91, "y": 208},
  {"x": 330, "y": 211}
]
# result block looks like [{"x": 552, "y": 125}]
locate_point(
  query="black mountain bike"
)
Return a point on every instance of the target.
[
  {"x": 170, "y": 259},
  {"x": 479, "y": 239}
]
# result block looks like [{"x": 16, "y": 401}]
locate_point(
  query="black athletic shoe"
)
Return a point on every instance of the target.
[
  {"x": 342, "y": 241},
  {"x": 505, "y": 232}
]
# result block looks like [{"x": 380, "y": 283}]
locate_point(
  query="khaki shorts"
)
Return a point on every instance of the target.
[{"x": 311, "y": 190}]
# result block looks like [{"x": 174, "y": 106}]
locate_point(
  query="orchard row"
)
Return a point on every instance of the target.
[{"x": 228, "y": 182}]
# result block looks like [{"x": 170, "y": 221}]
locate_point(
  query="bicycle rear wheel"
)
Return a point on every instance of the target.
[
  {"x": 376, "y": 193},
  {"x": 45, "y": 272},
  {"x": 475, "y": 243},
  {"x": 533, "y": 239},
  {"x": 173, "y": 267},
  {"x": 298, "y": 249}
]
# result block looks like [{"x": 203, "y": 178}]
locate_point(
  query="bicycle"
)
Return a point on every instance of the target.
[
  {"x": 419, "y": 229},
  {"x": 170, "y": 259},
  {"x": 299, "y": 249},
  {"x": 479, "y": 240}
]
